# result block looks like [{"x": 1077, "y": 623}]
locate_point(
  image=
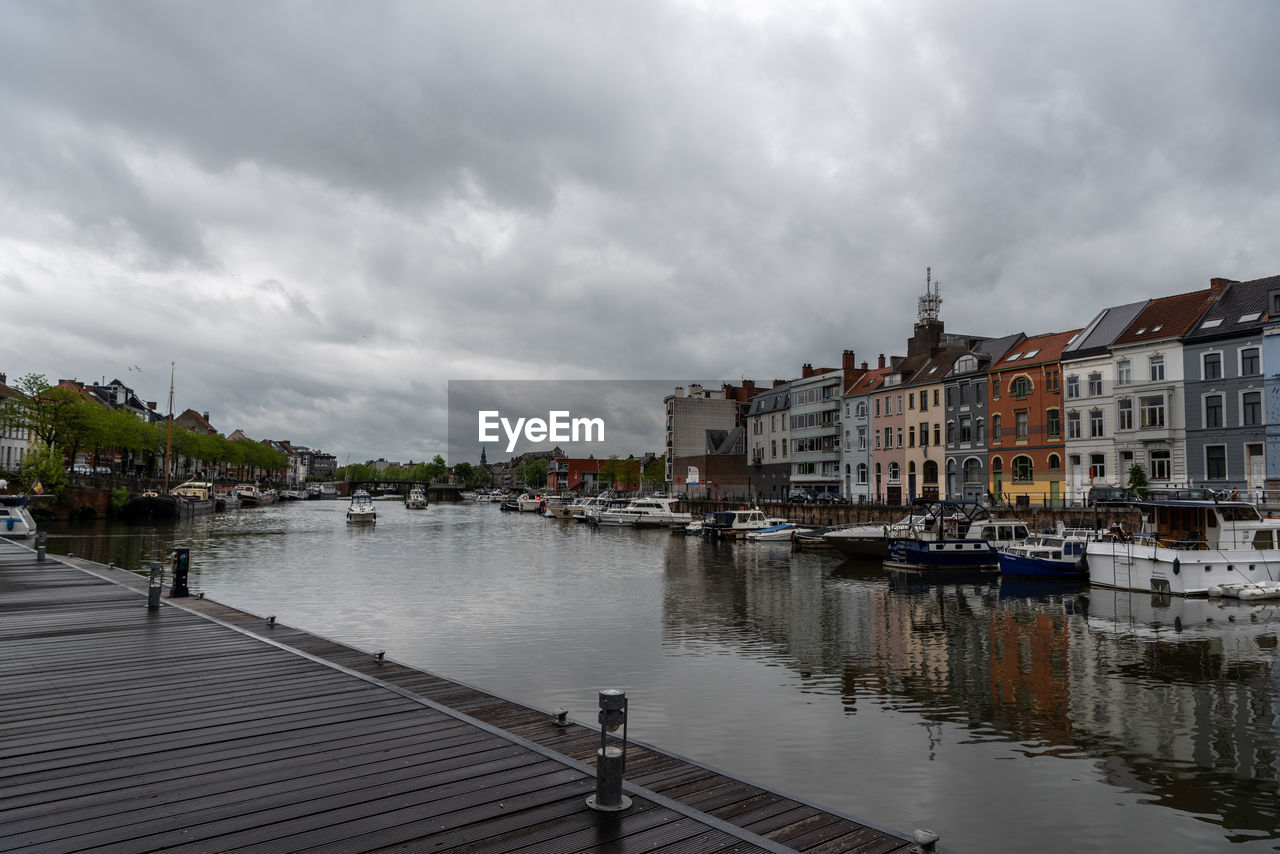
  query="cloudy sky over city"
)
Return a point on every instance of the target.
[{"x": 322, "y": 212}]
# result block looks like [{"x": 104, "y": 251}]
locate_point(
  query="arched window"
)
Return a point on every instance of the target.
[
  {"x": 930, "y": 472},
  {"x": 1020, "y": 387},
  {"x": 1055, "y": 462},
  {"x": 1022, "y": 470},
  {"x": 895, "y": 472},
  {"x": 862, "y": 472},
  {"x": 995, "y": 428},
  {"x": 911, "y": 467},
  {"x": 847, "y": 468},
  {"x": 973, "y": 470}
]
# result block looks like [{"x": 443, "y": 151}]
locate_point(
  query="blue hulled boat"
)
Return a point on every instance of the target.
[
  {"x": 954, "y": 535},
  {"x": 1051, "y": 556}
]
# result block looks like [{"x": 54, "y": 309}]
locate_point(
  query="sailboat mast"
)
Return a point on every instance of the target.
[{"x": 168, "y": 441}]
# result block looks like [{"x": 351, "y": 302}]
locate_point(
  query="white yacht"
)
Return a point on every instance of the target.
[
  {"x": 646, "y": 513},
  {"x": 416, "y": 499},
  {"x": 361, "y": 510},
  {"x": 1190, "y": 547}
]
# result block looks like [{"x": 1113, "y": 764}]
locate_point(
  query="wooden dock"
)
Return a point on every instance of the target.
[{"x": 198, "y": 727}]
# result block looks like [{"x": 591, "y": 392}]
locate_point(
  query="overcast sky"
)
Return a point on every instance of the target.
[{"x": 324, "y": 211}]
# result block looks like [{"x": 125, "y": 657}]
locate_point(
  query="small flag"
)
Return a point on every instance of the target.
[{"x": 37, "y": 488}]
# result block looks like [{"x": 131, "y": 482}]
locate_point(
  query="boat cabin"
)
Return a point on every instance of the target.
[{"x": 1190, "y": 524}]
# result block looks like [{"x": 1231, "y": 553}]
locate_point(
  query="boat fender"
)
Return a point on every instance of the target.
[
  {"x": 1177, "y": 565},
  {"x": 9, "y": 523}
]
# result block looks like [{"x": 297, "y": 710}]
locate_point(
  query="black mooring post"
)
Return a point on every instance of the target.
[
  {"x": 42, "y": 545},
  {"x": 154, "y": 580},
  {"x": 181, "y": 566},
  {"x": 611, "y": 762}
]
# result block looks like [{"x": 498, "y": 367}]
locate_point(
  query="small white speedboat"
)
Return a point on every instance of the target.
[
  {"x": 361, "y": 510},
  {"x": 779, "y": 532}
]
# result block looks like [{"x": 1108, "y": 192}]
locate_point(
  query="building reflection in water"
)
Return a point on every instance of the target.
[{"x": 1170, "y": 698}]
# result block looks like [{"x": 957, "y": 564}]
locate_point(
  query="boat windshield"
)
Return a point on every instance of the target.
[{"x": 1238, "y": 513}]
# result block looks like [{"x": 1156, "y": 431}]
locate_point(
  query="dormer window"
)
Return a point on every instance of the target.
[{"x": 1211, "y": 324}]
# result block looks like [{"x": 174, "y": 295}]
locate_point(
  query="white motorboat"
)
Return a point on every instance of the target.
[
  {"x": 871, "y": 541},
  {"x": 1192, "y": 547},
  {"x": 361, "y": 510},
  {"x": 529, "y": 503},
  {"x": 781, "y": 531},
  {"x": 646, "y": 513},
  {"x": 416, "y": 499},
  {"x": 731, "y": 524},
  {"x": 15, "y": 518}
]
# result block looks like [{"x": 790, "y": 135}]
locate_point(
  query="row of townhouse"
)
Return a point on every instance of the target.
[
  {"x": 15, "y": 441},
  {"x": 1174, "y": 384}
]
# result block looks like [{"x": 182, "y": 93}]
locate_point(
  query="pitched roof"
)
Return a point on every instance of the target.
[
  {"x": 1036, "y": 350},
  {"x": 870, "y": 381},
  {"x": 934, "y": 370},
  {"x": 1166, "y": 317},
  {"x": 1103, "y": 329},
  {"x": 1242, "y": 307}
]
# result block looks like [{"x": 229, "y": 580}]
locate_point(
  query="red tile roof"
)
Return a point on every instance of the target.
[{"x": 1167, "y": 317}]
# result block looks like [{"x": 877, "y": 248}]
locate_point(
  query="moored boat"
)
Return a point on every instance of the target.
[
  {"x": 954, "y": 535},
  {"x": 733, "y": 524},
  {"x": 1190, "y": 547},
  {"x": 190, "y": 498},
  {"x": 781, "y": 531},
  {"x": 252, "y": 495},
  {"x": 1051, "y": 556},
  {"x": 416, "y": 499},
  {"x": 871, "y": 541},
  {"x": 15, "y": 518}
]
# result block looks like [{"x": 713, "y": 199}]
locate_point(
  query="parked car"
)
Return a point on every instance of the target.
[{"x": 1109, "y": 496}]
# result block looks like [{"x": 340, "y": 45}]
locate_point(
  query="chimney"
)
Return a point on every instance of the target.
[
  {"x": 777, "y": 383},
  {"x": 205, "y": 416},
  {"x": 881, "y": 363},
  {"x": 806, "y": 370},
  {"x": 3, "y": 378},
  {"x": 1219, "y": 285},
  {"x": 151, "y": 404},
  {"x": 848, "y": 362},
  {"x": 864, "y": 366}
]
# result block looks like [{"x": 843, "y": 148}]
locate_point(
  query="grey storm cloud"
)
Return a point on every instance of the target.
[{"x": 322, "y": 212}]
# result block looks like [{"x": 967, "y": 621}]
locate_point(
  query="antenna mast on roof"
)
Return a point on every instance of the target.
[{"x": 930, "y": 304}]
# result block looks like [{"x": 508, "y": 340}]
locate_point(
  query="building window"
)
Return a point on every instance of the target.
[
  {"x": 1215, "y": 462},
  {"x": 862, "y": 438},
  {"x": 1249, "y": 362},
  {"x": 1095, "y": 385},
  {"x": 862, "y": 472},
  {"x": 1097, "y": 466},
  {"x": 1073, "y": 386},
  {"x": 877, "y": 407},
  {"x": 1022, "y": 470},
  {"x": 950, "y": 396},
  {"x": 1251, "y": 409},
  {"x": 895, "y": 472},
  {"x": 966, "y": 428},
  {"x": 995, "y": 387},
  {"x": 951, "y": 432},
  {"x": 911, "y": 436},
  {"x": 899, "y": 404},
  {"x": 1211, "y": 366},
  {"x": 1073, "y": 425},
  {"x": 888, "y": 437},
  {"x": 899, "y": 437},
  {"x": 1124, "y": 413},
  {"x": 1053, "y": 423},
  {"x": 972, "y": 471},
  {"x": 861, "y": 410},
  {"x": 980, "y": 432},
  {"x": 1157, "y": 369},
  {"x": 1151, "y": 411},
  {"x": 995, "y": 427},
  {"x": 1160, "y": 466},
  {"x": 1055, "y": 462},
  {"x": 1020, "y": 388},
  {"x": 935, "y": 397},
  {"x": 1020, "y": 423},
  {"x": 1124, "y": 372},
  {"x": 911, "y": 400},
  {"x": 924, "y": 434},
  {"x": 924, "y": 401},
  {"x": 1213, "y": 410},
  {"x": 1095, "y": 423}
]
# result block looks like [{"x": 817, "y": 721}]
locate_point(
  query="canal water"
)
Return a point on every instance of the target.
[{"x": 1006, "y": 716}]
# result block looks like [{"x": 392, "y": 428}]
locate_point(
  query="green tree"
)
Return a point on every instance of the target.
[
  {"x": 462, "y": 473},
  {"x": 1138, "y": 480},
  {"x": 533, "y": 473},
  {"x": 655, "y": 473},
  {"x": 44, "y": 465}
]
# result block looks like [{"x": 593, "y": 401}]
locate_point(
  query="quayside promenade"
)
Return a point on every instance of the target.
[{"x": 197, "y": 727}]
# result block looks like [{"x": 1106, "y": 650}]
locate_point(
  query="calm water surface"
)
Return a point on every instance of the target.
[{"x": 1007, "y": 717}]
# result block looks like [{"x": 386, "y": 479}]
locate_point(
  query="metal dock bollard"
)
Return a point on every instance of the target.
[
  {"x": 611, "y": 762},
  {"x": 42, "y": 544},
  {"x": 154, "y": 582}
]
